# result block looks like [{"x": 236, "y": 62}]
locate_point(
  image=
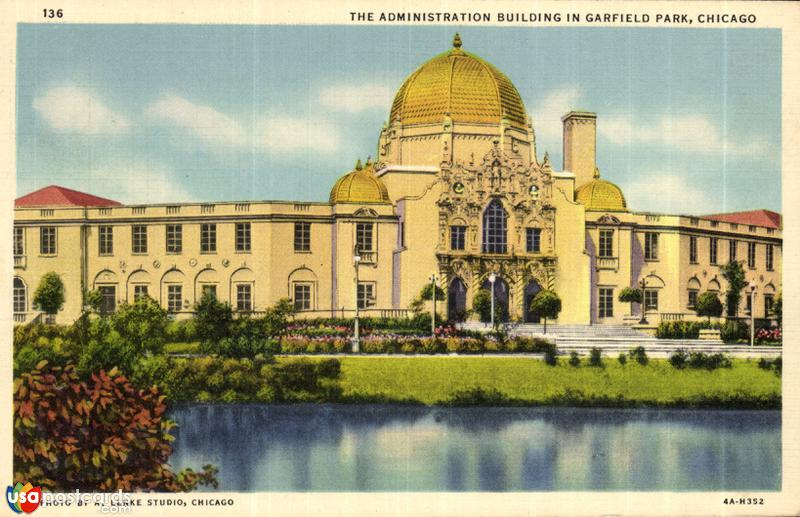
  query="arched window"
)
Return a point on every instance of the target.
[
  {"x": 494, "y": 228},
  {"x": 20, "y": 296}
]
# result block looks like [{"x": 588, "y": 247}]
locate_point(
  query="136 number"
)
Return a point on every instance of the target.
[{"x": 53, "y": 13}]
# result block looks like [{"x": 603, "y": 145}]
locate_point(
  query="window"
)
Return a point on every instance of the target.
[
  {"x": 533, "y": 240},
  {"x": 302, "y": 236},
  {"x": 105, "y": 239},
  {"x": 47, "y": 240},
  {"x": 693, "y": 250},
  {"x": 732, "y": 250},
  {"x": 139, "y": 239},
  {"x": 606, "y": 302},
  {"x": 714, "y": 224},
  {"x": 209, "y": 290},
  {"x": 302, "y": 297},
  {"x": 108, "y": 298},
  {"x": 366, "y": 294},
  {"x": 651, "y": 246},
  {"x": 139, "y": 292},
  {"x": 752, "y": 229},
  {"x": 606, "y": 247},
  {"x": 243, "y": 237},
  {"x": 174, "y": 297},
  {"x": 692, "y": 303},
  {"x": 769, "y": 302},
  {"x": 244, "y": 297},
  {"x": 494, "y": 228},
  {"x": 770, "y": 257},
  {"x": 19, "y": 241},
  {"x": 712, "y": 250},
  {"x": 650, "y": 300},
  {"x": 748, "y": 304},
  {"x": 694, "y": 221},
  {"x": 458, "y": 237},
  {"x": 208, "y": 238},
  {"x": 364, "y": 236},
  {"x": 20, "y": 302},
  {"x": 751, "y": 255},
  {"x": 174, "y": 238}
]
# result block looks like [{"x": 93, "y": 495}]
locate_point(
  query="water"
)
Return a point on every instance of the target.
[{"x": 395, "y": 448}]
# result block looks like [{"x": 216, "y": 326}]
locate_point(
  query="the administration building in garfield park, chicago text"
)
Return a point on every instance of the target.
[{"x": 456, "y": 188}]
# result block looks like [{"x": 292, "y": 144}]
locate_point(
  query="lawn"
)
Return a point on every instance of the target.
[
  {"x": 435, "y": 380},
  {"x": 191, "y": 347}
]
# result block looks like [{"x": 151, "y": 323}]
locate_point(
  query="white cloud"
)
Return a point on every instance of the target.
[
  {"x": 284, "y": 134},
  {"x": 203, "y": 121},
  {"x": 73, "y": 109},
  {"x": 137, "y": 183},
  {"x": 693, "y": 133},
  {"x": 354, "y": 98},
  {"x": 668, "y": 193},
  {"x": 547, "y": 115}
]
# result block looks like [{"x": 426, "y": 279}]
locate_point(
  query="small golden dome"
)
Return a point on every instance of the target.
[
  {"x": 360, "y": 185},
  {"x": 459, "y": 85},
  {"x": 599, "y": 194}
]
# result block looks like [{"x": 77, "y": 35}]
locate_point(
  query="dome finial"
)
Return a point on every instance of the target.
[
  {"x": 358, "y": 165},
  {"x": 596, "y": 172},
  {"x": 456, "y": 41}
]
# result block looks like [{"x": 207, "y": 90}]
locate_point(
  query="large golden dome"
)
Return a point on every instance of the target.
[
  {"x": 462, "y": 85},
  {"x": 599, "y": 194},
  {"x": 360, "y": 185}
]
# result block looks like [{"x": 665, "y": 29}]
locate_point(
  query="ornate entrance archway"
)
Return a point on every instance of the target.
[
  {"x": 457, "y": 300},
  {"x": 531, "y": 289}
]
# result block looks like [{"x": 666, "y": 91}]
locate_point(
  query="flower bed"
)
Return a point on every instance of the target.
[
  {"x": 414, "y": 344},
  {"x": 769, "y": 335}
]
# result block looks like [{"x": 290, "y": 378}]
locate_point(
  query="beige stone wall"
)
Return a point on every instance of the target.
[{"x": 271, "y": 266}]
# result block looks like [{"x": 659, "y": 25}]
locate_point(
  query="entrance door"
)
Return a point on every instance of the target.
[
  {"x": 531, "y": 290},
  {"x": 500, "y": 298},
  {"x": 457, "y": 300}
]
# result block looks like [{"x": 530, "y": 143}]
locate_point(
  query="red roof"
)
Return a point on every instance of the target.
[
  {"x": 766, "y": 218},
  {"x": 60, "y": 196}
]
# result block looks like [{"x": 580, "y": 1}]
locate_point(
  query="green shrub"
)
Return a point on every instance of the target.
[
  {"x": 574, "y": 359},
  {"x": 623, "y": 359},
  {"x": 141, "y": 325},
  {"x": 212, "y": 319},
  {"x": 182, "y": 331},
  {"x": 679, "y": 358},
  {"x": 708, "y": 361},
  {"x": 734, "y": 330},
  {"x": 595, "y": 357},
  {"x": 476, "y": 397},
  {"x": 682, "y": 329},
  {"x": 550, "y": 356},
  {"x": 639, "y": 355},
  {"x": 305, "y": 381}
]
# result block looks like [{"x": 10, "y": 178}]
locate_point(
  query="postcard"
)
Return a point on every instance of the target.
[{"x": 401, "y": 258}]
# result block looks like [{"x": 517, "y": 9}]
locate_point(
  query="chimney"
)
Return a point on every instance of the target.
[{"x": 580, "y": 141}]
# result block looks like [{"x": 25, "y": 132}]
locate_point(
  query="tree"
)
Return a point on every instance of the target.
[
  {"x": 630, "y": 295},
  {"x": 734, "y": 274},
  {"x": 427, "y": 292},
  {"x": 213, "y": 319},
  {"x": 546, "y": 304},
  {"x": 92, "y": 300},
  {"x": 142, "y": 325},
  {"x": 777, "y": 309},
  {"x": 482, "y": 304},
  {"x": 102, "y": 434},
  {"x": 49, "y": 296},
  {"x": 708, "y": 304}
]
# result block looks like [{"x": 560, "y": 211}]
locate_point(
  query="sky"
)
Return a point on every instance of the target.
[{"x": 689, "y": 120}]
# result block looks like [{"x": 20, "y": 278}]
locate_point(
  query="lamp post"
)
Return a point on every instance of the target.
[
  {"x": 752, "y": 312},
  {"x": 643, "y": 284},
  {"x": 433, "y": 309},
  {"x": 356, "y": 343},
  {"x": 492, "y": 278}
]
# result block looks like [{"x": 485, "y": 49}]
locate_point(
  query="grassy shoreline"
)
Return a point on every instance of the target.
[{"x": 466, "y": 381}]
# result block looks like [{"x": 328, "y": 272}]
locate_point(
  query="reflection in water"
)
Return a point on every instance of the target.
[{"x": 397, "y": 448}]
